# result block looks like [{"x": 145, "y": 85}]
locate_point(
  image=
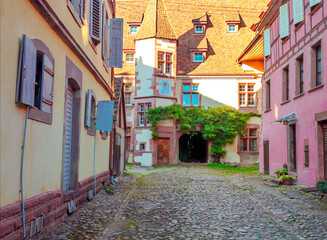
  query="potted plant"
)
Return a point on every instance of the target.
[
  {"x": 281, "y": 171},
  {"x": 286, "y": 179}
]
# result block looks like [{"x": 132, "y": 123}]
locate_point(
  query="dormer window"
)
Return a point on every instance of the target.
[
  {"x": 198, "y": 57},
  {"x": 199, "y": 28},
  {"x": 134, "y": 29},
  {"x": 233, "y": 21},
  {"x": 232, "y": 28}
]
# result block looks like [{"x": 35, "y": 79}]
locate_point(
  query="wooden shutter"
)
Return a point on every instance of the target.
[
  {"x": 314, "y": 2},
  {"x": 47, "y": 85},
  {"x": 266, "y": 36},
  {"x": 88, "y": 108},
  {"x": 298, "y": 11},
  {"x": 82, "y": 10},
  {"x": 95, "y": 22},
  {"x": 105, "y": 34},
  {"x": 284, "y": 21},
  {"x": 25, "y": 91},
  {"x": 116, "y": 43}
]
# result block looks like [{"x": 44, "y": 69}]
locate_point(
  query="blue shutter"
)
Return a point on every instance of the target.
[
  {"x": 267, "y": 45},
  {"x": 116, "y": 43},
  {"x": 298, "y": 11},
  {"x": 47, "y": 85},
  {"x": 314, "y": 2},
  {"x": 25, "y": 91},
  {"x": 284, "y": 21},
  {"x": 88, "y": 107},
  {"x": 105, "y": 115}
]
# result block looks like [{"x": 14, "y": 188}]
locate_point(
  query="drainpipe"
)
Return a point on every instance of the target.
[
  {"x": 22, "y": 172},
  {"x": 95, "y": 135},
  {"x": 114, "y": 148}
]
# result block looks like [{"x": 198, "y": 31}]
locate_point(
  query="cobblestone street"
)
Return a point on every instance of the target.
[{"x": 195, "y": 202}]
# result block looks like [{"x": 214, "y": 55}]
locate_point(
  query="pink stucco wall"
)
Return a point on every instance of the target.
[{"x": 284, "y": 54}]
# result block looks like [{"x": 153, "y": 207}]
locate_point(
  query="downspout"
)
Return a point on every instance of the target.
[
  {"x": 22, "y": 172},
  {"x": 114, "y": 148},
  {"x": 94, "y": 147}
]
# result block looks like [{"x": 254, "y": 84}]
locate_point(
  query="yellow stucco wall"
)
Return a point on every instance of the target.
[{"x": 43, "y": 154}]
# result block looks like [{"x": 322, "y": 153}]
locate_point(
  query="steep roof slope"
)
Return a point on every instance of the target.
[{"x": 223, "y": 48}]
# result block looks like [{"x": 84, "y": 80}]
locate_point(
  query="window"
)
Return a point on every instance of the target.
[
  {"x": 134, "y": 29},
  {"x": 90, "y": 114},
  {"x": 130, "y": 57},
  {"x": 268, "y": 103},
  {"x": 246, "y": 95},
  {"x": 191, "y": 95},
  {"x": 199, "y": 29},
  {"x": 142, "y": 146},
  {"x": 232, "y": 28},
  {"x": 77, "y": 8},
  {"x": 306, "y": 153},
  {"x": 299, "y": 84},
  {"x": 95, "y": 21},
  {"x": 36, "y": 78},
  {"x": 286, "y": 85},
  {"x": 142, "y": 109},
  {"x": 128, "y": 137},
  {"x": 198, "y": 57},
  {"x": 249, "y": 143},
  {"x": 128, "y": 93},
  {"x": 318, "y": 65},
  {"x": 165, "y": 63}
]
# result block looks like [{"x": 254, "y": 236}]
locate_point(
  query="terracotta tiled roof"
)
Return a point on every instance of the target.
[
  {"x": 156, "y": 22},
  {"x": 198, "y": 42},
  {"x": 223, "y": 48}
]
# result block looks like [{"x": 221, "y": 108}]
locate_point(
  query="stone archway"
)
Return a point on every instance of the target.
[{"x": 193, "y": 149}]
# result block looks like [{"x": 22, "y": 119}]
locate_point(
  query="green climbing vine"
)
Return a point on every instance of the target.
[{"x": 220, "y": 125}]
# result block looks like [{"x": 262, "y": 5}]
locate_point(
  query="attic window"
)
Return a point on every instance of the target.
[
  {"x": 198, "y": 57},
  {"x": 232, "y": 28},
  {"x": 199, "y": 28},
  {"x": 134, "y": 29}
]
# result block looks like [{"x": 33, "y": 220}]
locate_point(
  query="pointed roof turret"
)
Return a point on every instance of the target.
[{"x": 156, "y": 22}]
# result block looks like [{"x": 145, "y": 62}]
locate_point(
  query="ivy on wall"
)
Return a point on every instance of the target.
[{"x": 220, "y": 125}]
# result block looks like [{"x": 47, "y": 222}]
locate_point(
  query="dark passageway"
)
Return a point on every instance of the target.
[{"x": 192, "y": 149}]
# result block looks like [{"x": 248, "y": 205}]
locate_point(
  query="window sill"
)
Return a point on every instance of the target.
[
  {"x": 94, "y": 47},
  {"x": 298, "y": 26},
  {"x": 286, "y": 101},
  {"x": 91, "y": 131},
  {"x": 38, "y": 115},
  {"x": 74, "y": 13},
  {"x": 299, "y": 95},
  {"x": 268, "y": 110},
  {"x": 143, "y": 127},
  {"x": 314, "y": 9},
  {"x": 316, "y": 88},
  {"x": 248, "y": 152}
]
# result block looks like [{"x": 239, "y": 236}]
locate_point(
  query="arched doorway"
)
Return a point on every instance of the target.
[{"x": 192, "y": 149}]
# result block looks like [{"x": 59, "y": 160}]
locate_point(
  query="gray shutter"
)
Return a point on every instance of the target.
[
  {"x": 47, "y": 85},
  {"x": 25, "y": 92},
  {"x": 298, "y": 11},
  {"x": 104, "y": 24},
  {"x": 266, "y": 36},
  {"x": 116, "y": 43},
  {"x": 82, "y": 10},
  {"x": 314, "y": 2},
  {"x": 88, "y": 108},
  {"x": 284, "y": 21},
  {"x": 95, "y": 22}
]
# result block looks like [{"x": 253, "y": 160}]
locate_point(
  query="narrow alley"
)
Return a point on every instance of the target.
[{"x": 195, "y": 202}]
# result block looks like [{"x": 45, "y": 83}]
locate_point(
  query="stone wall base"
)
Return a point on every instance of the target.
[{"x": 53, "y": 206}]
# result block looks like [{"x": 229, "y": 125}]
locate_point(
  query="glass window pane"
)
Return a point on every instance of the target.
[
  {"x": 186, "y": 99},
  {"x": 160, "y": 67},
  {"x": 141, "y": 108},
  {"x": 186, "y": 87},
  {"x": 168, "y": 57},
  {"x": 253, "y": 132},
  {"x": 251, "y": 99},
  {"x": 134, "y": 30},
  {"x": 195, "y": 88},
  {"x": 251, "y": 87},
  {"x": 128, "y": 87},
  {"x": 161, "y": 56},
  {"x": 232, "y": 28},
  {"x": 242, "y": 100},
  {"x": 199, "y": 29},
  {"x": 148, "y": 106},
  {"x": 128, "y": 99},
  {"x": 244, "y": 144},
  {"x": 141, "y": 119},
  {"x": 253, "y": 145},
  {"x": 195, "y": 99},
  {"x": 198, "y": 57},
  {"x": 168, "y": 68},
  {"x": 241, "y": 87}
]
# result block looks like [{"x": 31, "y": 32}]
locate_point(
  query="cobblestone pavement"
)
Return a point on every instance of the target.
[{"x": 195, "y": 203}]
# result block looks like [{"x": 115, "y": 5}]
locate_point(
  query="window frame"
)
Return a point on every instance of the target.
[
  {"x": 248, "y": 139},
  {"x": 128, "y": 92},
  {"x": 286, "y": 84},
  {"x": 133, "y": 32},
  {"x": 198, "y": 61},
  {"x": 234, "y": 25},
  {"x": 165, "y": 63},
  {"x": 78, "y": 14},
  {"x": 318, "y": 61},
  {"x": 127, "y": 60},
  {"x": 128, "y": 138},
  {"x": 191, "y": 92},
  {"x": 268, "y": 94},
  {"x": 246, "y": 93},
  {"x": 141, "y": 114},
  {"x": 202, "y": 28}
]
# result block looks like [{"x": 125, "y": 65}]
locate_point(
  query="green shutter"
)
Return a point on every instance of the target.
[
  {"x": 266, "y": 37},
  {"x": 298, "y": 11},
  {"x": 284, "y": 21}
]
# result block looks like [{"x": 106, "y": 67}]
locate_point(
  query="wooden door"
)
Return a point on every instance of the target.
[
  {"x": 117, "y": 156},
  {"x": 266, "y": 156},
  {"x": 68, "y": 138},
  {"x": 324, "y": 127},
  {"x": 163, "y": 151},
  {"x": 292, "y": 146}
]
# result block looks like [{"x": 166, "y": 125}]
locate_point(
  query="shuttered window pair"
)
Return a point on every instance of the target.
[
  {"x": 284, "y": 21},
  {"x": 35, "y": 77}
]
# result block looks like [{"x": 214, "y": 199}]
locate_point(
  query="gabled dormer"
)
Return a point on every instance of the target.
[
  {"x": 200, "y": 24},
  {"x": 233, "y": 22}
]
